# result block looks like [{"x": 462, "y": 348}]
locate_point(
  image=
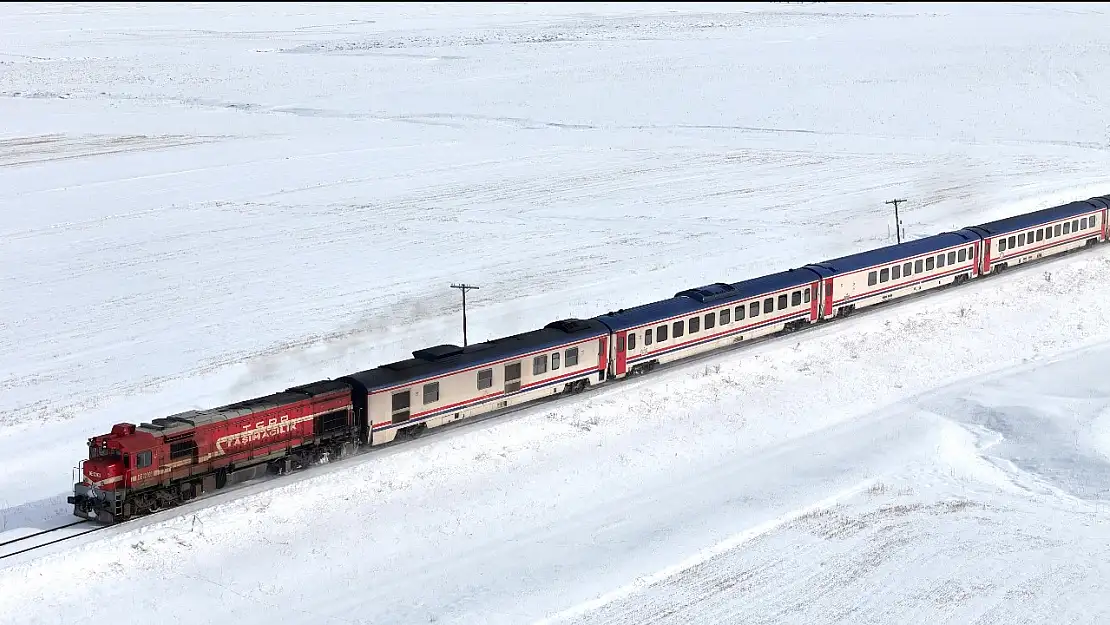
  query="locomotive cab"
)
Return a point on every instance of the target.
[{"x": 103, "y": 477}]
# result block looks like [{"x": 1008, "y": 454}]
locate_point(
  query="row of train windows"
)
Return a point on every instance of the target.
[
  {"x": 1048, "y": 232},
  {"x": 539, "y": 364},
  {"x": 920, "y": 265},
  {"x": 569, "y": 358},
  {"x": 726, "y": 316}
]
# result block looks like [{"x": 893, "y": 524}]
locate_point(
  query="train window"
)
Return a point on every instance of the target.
[
  {"x": 677, "y": 329},
  {"x": 796, "y": 298},
  {"x": 1021, "y": 239},
  {"x": 143, "y": 459},
  {"x": 1056, "y": 230},
  {"x": 401, "y": 400},
  {"x": 631, "y": 342},
  {"x": 782, "y": 301},
  {"x": 769, "y": 305},
  {"x": 884, "y": 275},
  {"x": 661, "y": 333},
  {"x": 1083, "y": 224},
  {"x": 806, "y": 292},
  {"x": 872, "y": 279},
  {"x": 555, "y": 358},
  {"x": 1011, "y": 242},
  {"x": 753, "y": 309},
  {"x": 918, "y": 266},
  {"x": 952, "y": 258},
  {"x": 907, "y": 269},
  {"x": 1040, "y": 235},
  {"x": 1074, "y": 225},
  {"x": 539, "y": 363},
  {"x": 648, "y": 335},
  {"x": 1067, "y": 227},
  {"x": 431, "y": 393},
  {"x": 1002, "y": 244},
  {"x": 726, "y": 316},
  {"x": 571, "y": 357},
  {"x": 1029, "y": 236},
  {"x": 930, "y": 263},
  {"x": 485, "y": 378},
  {"x": 962, "y": 255},
  {"x": 896, "y": 272},
  {"x": 401, "y": 406},
  {"x": 710, "y": 321},
  {"x": 940, "y": 260},
  {"x": 1048, "y": 232},
  {"x": 695, "y": 324}
]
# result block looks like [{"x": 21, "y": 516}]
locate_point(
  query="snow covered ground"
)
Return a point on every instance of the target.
[{"x": 207, "y": 203}]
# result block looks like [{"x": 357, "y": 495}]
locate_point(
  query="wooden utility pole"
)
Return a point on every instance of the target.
[
  {"x": 464, "y": 288},
  {"x": 897, "y": 221}
]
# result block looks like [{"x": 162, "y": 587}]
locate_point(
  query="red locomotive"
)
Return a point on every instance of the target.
[{"x": 139, "y": 470}]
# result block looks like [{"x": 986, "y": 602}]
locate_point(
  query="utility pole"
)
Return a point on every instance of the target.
[
  {"x": 897, "y": 221},
  {"x": 464, "y": 288}
]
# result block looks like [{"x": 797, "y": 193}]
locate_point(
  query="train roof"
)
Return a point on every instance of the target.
[
  {"x": 434, "y": 361},
  {"x": 1036, "y": 218},
  {"x": 897, "y": 252},
  {"x": 184, "y": 421},
  {"x": 709, "y": 296}
]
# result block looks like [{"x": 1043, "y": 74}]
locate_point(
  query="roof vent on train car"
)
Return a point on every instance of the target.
[
  {"x": 171, "y": 421},
  {"x": 570, "y": 326},
  {"x": 439, "y": 352},
  {"x": 123, "y": 429},
  {"x": 708, "y": 293}
]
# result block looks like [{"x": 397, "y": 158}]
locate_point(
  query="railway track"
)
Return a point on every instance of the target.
[{"x": 42, "y": 538}]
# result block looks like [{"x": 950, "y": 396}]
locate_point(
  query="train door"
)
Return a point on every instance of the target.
[
  {"x": 986, "y": 266},
  {"x": 621, "y": 361},
  {"x": 828, "y": 298},
  {"x": 603, "y": 357}
]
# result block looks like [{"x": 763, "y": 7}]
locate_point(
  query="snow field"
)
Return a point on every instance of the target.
[
  {"x": 203, "y": 205},
  {"x": 631, "y": 481}
]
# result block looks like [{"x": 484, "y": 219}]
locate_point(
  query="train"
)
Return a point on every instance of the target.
[{"x": 136, "y": 470}]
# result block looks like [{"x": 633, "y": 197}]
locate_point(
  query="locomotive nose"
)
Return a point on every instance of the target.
[{"x": 103, "y": 472}]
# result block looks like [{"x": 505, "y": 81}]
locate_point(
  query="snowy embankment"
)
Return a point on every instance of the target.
[{"x": 873, "y": 469}]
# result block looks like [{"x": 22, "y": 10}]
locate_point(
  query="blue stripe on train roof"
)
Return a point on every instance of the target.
[
  {"x": 1053, "y": 213},
  {"x": 709, "y": 296},
  {"x": 900, "y": 251},
  {"x": 441, "y": 359}
]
